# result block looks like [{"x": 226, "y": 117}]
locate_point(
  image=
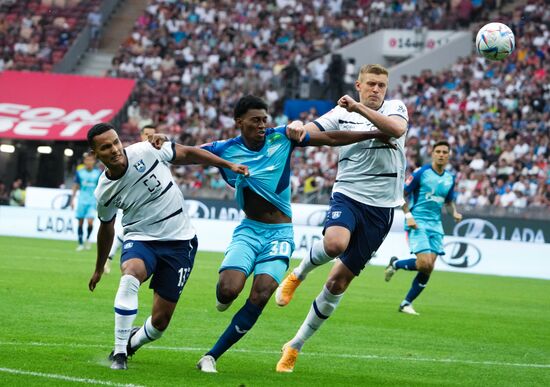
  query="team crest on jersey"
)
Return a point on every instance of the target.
[
  {"x": 128, "y": 245},
  {"x": 140, "y": 166},
  {"x": 336, "y": 214},
  {"x": 401, "y": 109}
]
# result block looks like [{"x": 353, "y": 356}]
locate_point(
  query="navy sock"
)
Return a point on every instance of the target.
[
  {"x": 407, "y": 264},
  {"x": 80, "y": 233},
  {"x": 241, "y": 323},
  {"x": 90, "y": 228},
  {"x": 418, "y": 284}
]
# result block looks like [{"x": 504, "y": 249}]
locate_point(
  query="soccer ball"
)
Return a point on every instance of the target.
[{"x": 495, "y": 41}]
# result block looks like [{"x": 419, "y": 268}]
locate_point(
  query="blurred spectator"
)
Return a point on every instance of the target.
[
  {"x": 4, "y": 194},
  {"x": 94, "y": 22},
  {"x": 17, "y": 194}
]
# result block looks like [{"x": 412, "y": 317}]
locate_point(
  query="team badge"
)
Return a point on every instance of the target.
[
  {"x": 128, "y": 245},
  {"x": 140, "y": 166},
  {"x": 336, "y": 214}
]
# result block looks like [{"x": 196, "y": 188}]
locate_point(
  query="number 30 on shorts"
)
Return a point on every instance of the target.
[{"x": 280, "y": 248}]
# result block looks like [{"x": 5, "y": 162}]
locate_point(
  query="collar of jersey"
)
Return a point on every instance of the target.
[{"x": 240, "y": 140}]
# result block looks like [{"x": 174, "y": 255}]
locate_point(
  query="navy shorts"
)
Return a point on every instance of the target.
[
  {"x": 169, "y": 262},
  {"x": 368, "y": 225}
]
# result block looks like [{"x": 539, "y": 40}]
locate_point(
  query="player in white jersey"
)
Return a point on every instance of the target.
[
  {"x": 144, "y": 133},
  {"x": 369, "y": 184},
  {"x": 159, "y": 240}
]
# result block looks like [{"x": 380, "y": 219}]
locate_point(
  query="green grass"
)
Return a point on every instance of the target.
[{"x": 473, "y": 330}]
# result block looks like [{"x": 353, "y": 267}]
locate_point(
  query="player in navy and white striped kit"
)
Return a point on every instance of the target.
[
  {"x": 369, "y": 184},
  {"x": 159, "y": 241}
]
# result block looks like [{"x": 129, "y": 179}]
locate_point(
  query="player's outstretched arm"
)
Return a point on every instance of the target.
[
  {"x": 193, "y": 155},
  {"x": 393, "y": 126},
  {"x": 346, "y": 137},
  {"x": 105, "y": 236}
]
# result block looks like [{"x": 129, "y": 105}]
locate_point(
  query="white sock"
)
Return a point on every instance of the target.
[
  {"x": 146, "y": 334},
  {"x": 126, "y": 307},
  {"x": 117, "y": 242},
  {"x": 317, "y": 257},
  {"x": 320, "y": 310}
]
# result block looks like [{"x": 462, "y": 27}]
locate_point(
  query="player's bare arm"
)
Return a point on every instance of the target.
[
  {"x": 409, "y": 218},
  {"x": 451, "y": 209},
  {"x": 193, "y": 155},
  {"x": 346, "y": 137},
  {"x": 393, "y": 126},
  {"x": 105, "y": 236},
  {"x": 76, "y": 187}
]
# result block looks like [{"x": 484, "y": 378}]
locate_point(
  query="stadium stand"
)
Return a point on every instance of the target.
[
  {"x": 36, "y": 34},
  {"x": 192, "y": 67}
]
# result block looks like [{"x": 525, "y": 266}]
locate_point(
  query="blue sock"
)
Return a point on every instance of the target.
[
  {"x": 80, "y": 234},
  {"x": 241, "y": 323},
  {"x": 89, "y": 232},
  {"x": 407, "y": 264},
  {"x": 418, "y": 284}
]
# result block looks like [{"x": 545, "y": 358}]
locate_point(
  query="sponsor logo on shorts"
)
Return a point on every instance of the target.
[
  {"x": 335, "y": 214},
  {"x": 461, "y": 254},
  {"x": 128, "y": 245}
]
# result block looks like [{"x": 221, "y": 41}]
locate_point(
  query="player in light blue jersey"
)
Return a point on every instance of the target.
[
  {"x": 85, "y": 182},
  {"x": 263, "y": 243},
  {"x": 428, "y": 189}
]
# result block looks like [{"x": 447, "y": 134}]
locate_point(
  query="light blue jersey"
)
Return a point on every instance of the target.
[
  {"x": 257, "y": 247},
  {"x": 428, "y": 191},
  {"x": 87, "y": 180},
  {"x": 269, "y": 167}
]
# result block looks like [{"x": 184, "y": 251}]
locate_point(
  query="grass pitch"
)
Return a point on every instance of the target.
[{"x": 473, "y": 330}]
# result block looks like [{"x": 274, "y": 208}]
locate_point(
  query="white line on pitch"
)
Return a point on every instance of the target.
[
  {"x": 65, "y": 378},
  {"x": 336, "y": 355}
]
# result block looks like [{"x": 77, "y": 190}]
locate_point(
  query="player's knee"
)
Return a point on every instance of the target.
[
  {"x": 227, "y": 292},
  {"x": 337, "y": 285},
  {"x": 260, "y": 297},
  {"x": 334, "y": 246},
  {"x": 425, "y": 267}
]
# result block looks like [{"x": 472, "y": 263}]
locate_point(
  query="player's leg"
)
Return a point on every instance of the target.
[
  {"x": 339, "y": 226},
  {"x": 80, "y": 232},
  {"x": 425, "y": 261},
  {"x": 370, "y": 225},
  {"x": 418, "y": 242},
  {"x": 175, "y": 262},
  {"x": 322, "y": 308},
  {"x": 89, "y": 232},
  {"x": 137, "y": 263}
]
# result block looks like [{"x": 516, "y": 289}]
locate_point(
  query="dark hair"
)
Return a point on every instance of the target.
[
  {"x": 247, "y": 103},
  {"x": 149, "y": 126},
  {"x": 442, "y": 143},
  {"x": 96, "y": 130}
]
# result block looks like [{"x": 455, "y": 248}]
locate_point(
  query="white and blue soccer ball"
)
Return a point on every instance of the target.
[{"x": 495, "y": 41}]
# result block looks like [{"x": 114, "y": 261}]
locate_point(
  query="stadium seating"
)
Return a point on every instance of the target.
[{"x": 36, "y": 34}]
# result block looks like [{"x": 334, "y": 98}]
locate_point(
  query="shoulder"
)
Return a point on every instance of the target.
[
  {"x": 395, "y": 106},
  {"x": 220, "y": 146}
]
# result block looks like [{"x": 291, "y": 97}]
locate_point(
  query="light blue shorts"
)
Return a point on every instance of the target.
[
  {"x": 85, "y": 210},
  {"x": 260, "y": 248},
  {"x": 424, "y": 240}
]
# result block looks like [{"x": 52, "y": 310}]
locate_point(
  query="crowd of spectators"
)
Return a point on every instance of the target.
[
  {"x": 36, "y": 34},
  {"x": 193, "y": 61}
]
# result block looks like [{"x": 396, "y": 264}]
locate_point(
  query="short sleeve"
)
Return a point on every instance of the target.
[
  {"x": 413, "y": 182},
  {"x": 304, "y": 142},
  {"x": 213, "y": 147},
  {"x": 106, "y": 213},
  {"x": 451, "y": 194},
  {"x": 77, "y": 178},
  {"x": 331, "y": 120},
  {"x": 167, "y": 152},
  {"x": 398, "y": 108}
]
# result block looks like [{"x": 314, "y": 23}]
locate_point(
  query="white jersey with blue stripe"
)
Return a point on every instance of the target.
[
  {"x": 269, "y": 166},
  {"x": 151, "y": 201},
  {"x": 369, "y": 171},
  {"x": 428, "y": 191}
]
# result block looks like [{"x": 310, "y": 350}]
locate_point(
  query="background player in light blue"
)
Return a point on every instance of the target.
[
  {"x": 264, "y": 241},
  {"x": 428, "y": 189},
  {"x": 85, "y": 181}
]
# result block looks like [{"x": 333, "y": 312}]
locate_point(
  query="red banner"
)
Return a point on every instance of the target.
[{"x": 41, "y": 106}]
